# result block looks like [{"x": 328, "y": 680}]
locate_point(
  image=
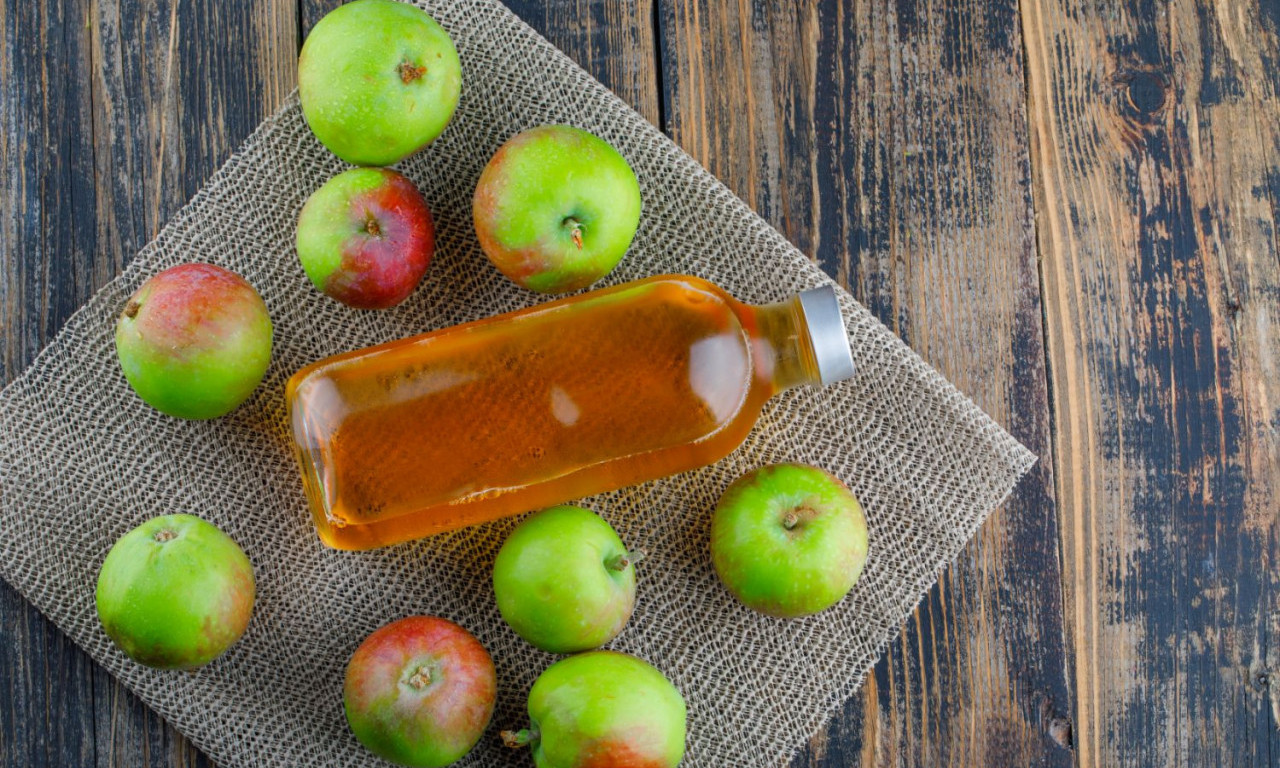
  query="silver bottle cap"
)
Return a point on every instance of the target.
[{"x": 826, "y": 330}]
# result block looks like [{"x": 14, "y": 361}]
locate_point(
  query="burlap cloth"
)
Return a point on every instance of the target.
[{"x": 82, "y": 459}]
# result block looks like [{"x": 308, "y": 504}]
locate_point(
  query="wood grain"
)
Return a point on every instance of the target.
[
  {"x": 115, "y": 112},
  {"x": 887, "y": 139},
  {"x": 45, "y": 147},
  {"x": 611, "y": 39},
  {"x": 1157, "y": 154}
]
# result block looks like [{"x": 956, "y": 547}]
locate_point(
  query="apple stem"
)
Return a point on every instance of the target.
[
  {"x": 620, "y": 562},
  {"x": 576, "y": 230},
  {"x": 518, "y": 739},
  {"x": 131, "y": 309},
  {"x": 410, "y": 71}
]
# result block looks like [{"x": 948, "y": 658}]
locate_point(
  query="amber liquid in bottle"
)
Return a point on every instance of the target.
[{"x": 537, "y": 407}]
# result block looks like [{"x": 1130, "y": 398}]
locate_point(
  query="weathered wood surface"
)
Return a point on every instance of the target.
[
  {"x": 990, "y": 178},
  {"x": 1155, "y": 130}
]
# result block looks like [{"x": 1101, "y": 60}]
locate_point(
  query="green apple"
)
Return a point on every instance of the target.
[
  {"x": 603, "y": 709},
  {"x": 194, "y": 341},
  {"x": 788, "y": 540},
  {"x": 564, "y": 580},
  {"x": 378, "y": 80},
  {"x": 556, "y": 208},
  {"x": 366, "y": 237},
  {"x": 175, "y": 592},
  {"x": 420, "y": 692}
]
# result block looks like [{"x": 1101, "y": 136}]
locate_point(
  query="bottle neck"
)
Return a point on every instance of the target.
[{"x": 782, "y": 347}]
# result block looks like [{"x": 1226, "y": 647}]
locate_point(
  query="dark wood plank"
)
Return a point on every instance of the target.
[
  {"x": 311, "y": 11},
  {"x": 887, "y": 139},
  {"x": 1157, "y": 150},
  {"x": 47, "y": 714},
  {"x": 114, "y": 113},
  {"x": 611, "y": 39}
]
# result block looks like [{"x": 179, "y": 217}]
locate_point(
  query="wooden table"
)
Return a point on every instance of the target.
[{"x": 1069, "y": 208}]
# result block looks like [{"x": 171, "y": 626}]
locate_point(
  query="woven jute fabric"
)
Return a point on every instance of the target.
[{"x": 82, "y": 459}]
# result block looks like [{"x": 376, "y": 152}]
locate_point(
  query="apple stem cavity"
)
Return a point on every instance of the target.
[
  {"x": 798, "y": 515},
  {"x": 409, "y": 71},
  {"x": 575, "y": 230},
  {"x": 372, "y": 226},
  {"x": 620, "y": 562},
  {"x": 420, "y": 679},
  {"x": 520, "y": 738}
]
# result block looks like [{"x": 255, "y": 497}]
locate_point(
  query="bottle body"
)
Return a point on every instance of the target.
[{"x": 533, "y": 408}]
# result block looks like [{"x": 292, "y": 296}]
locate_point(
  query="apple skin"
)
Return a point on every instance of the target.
[
  {"x": 175, "y": 592},
  {"x": 194, "y": 341},
  {"x": 788, "y": 540},
  {"x": 366, "y": 238},
  {"x": 564, "y": 581},
  {"x": 378, "y": 80},
  {"x": 420, "y": 692},
  {"x": 556, "y": 208},
  {"x": 603, "y": 709}
]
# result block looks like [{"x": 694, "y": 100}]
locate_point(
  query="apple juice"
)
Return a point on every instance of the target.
[{"x": 551, "y": 403}]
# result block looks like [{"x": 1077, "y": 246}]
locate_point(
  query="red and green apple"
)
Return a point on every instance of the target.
[
  {"x": 603, "y": 709},
  {"x": 194, "y": 341},
  {"x": 420, "y": 692},
  {"x": 366, "y": 237},
  {"x": 175, "y": 592},
  {"x": 556, "y": 208}
]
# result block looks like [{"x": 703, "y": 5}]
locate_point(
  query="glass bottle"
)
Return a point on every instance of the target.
[{"x": 555, "y": 402}]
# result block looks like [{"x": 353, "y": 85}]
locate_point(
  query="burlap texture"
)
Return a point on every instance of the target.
[{"x": 82, "y": 459}]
